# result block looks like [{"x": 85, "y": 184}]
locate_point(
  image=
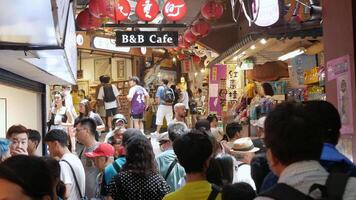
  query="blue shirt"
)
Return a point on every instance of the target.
[
  {"x": 330, "y": 153},
  {"x": 164, "y": 160},
  {"x": 159, "y": 94},
  {"x": 110, "y": 171}
]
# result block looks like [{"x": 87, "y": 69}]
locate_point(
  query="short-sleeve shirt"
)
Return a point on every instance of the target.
[
  {"x": 137, "y": 95},
  {"x": 197, "y": 190},
  {"x": 112, "y": 104},
  {"x": 91, "y": 172},
  {"x": 95, "y": 116},
  {"x": 159, "y": 94}
]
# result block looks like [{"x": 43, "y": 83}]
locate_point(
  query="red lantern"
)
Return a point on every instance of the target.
[
  {"x": 122, "y": 10},
  {"x": 200, "y": 28},
  {"x": 196, "y": 59},
  {"x": 181, "y": 56},
  {"x": 174, "y": 10},
  {"x": 189, "y": 36},
  {"x": 87, "y": 21},
  {"x": 212, "y": 10},
  {"x": 147, "y": 10},
  {"x": 102, "y": 8},
  {"x": 182, "y": 43}
]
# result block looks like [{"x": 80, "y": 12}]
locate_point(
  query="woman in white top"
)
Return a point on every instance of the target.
[{"x": 60, "y": 117}]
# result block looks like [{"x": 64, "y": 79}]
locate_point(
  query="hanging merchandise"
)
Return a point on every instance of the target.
[
  {"x": 196, "y": 59},
  {"x": 174, "y": 10},
  {"x": 200, "y": 28},
  {"x": 122, "y": 10},
  {"x": 182, "y": 43},
  {"x": 102, "y": 8},
  {"x": 147, "y": 10},
  {"x": 265, "y": 12},
  {"x": 189, "y": 36},
  {"x": 212, "y": 10},
  {"x": 87, "y": 21},
  {"x": 181, "y": 56}
]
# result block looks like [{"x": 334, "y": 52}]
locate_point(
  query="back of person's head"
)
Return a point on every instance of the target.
[
  {"x": 128, "y": 134},
  {"x": 140, "y": 158},
  {"x": 57, "y": 135},
  {"x": 55, "y": 169},
  {"x": 202, "y": 124},
  {"x": 267, "y": 89},
  {"x": 90, "y": 124},
  {"x": 16, "y": 129},
  {"x": 165, "y": 81},
  {"x": 193, "y": 150},
  {"x": 240, "y": 191},
  {"x": 4, "y": 148},
  {"x": 292, "y": 134},
  {"x": 211, "y": 118},
  {"x": 220, "y": 171},
  {"x": 135, "y": 79},
  {"x": 329, "y": 118},
  {"x": 34, "y": 136},
  {"x": 104, "y": 79},
  {"x": 30, "y": 173},
  {"x": 232, "y": 129},
  {"x": 176, "y": 129}
]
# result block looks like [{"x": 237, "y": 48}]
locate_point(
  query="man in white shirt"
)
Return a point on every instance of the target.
[
  {"x": 56, "y": 141},
  {"x": 109, "y": 94}
]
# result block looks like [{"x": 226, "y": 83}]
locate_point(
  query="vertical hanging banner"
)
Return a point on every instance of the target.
[
  {"x": 233, "y": 83},
  {"x": 339, "y": 69},
  {"x": 217, "y": 89}
]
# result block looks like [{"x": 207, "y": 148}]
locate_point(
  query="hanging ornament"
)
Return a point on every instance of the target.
[
  {"x": 189, "y": 36},
  {"x": 87, "y": 21},
  {"x": 207, "y": 61},
  {"x": 200, "y": 28},
  {"x": 182, "y": 43},
  {"x": 102, "y": 8},
  {"x": 174, "y": 10},
  {"x": 196, "y": 59},
  {"x": 212, "y": 10},
  {"x": 147, "y": 10},
  {"x": 122, "y": 10},
  {"x": 181, "y": 56}
]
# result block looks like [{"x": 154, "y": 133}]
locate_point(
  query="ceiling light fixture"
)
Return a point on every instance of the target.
[
  {"x": 292, "y": 54},
  {"x": 263, "y": 41},
  {"x": 253, "y": 47}
]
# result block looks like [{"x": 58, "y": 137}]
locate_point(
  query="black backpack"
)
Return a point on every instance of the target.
[
  {"x": 332, "y": 190},
  {"x": 109, "y": 95},
  {"x": 168, "y": 95}
]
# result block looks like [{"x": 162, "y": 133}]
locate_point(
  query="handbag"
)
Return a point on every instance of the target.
[{"x": 76, "y": 182}]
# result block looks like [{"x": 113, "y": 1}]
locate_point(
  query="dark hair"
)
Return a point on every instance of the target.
[
  {"x": 90, "y": 124},
  {"x": 211, "y": 117},
  {"x": 135, "y": 79},
  {"x": 240, "y": 191},
  {"x": 87, "y": 109},
  {"x": 128, "y": 134},
  {"x": 221, "y": 171},
  {"x": 54, "y": 167},
  {"x": 329, "y": 118},
  {"x": 292, "y": 134},
  {"x": 16, "y": 129},
  {"x": 165, "y": 81},
  {"x": 30, "y": 173},
  {"x": 175, "y": 129},
  {"x": 104, "y": 79},
  {"x": 193, "y": 150},
  {"x": 140, "y": 158},
  {"x": 57, "y": 135},
  {"x": 202, "y": 124},
  {"x": 233, "y": 128},
  {"x": 267, "y": 89},
  {"x": 34, "y": 135}
]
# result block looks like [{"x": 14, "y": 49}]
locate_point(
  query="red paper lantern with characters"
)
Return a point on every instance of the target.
[
  {"x": 87, "y": 21},
  {"x": 174, "y": 10},
  {"x": 200, "y": 28},
  {"x": 122, "y": 10},
  {"x": 102, "y": 8},
  {"x": 147, "y": 10},
  {"x": 212, "y": 10}
]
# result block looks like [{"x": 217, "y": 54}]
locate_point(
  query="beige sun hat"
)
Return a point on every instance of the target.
[{"x": 244, "y": 145}]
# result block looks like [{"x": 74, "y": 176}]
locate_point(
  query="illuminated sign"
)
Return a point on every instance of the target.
[
  {"x": 146, "y": 38},
  {"x": 108, "y": 44}
]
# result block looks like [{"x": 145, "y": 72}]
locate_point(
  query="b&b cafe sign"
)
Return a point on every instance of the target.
[{"x": 147, "y": 38}]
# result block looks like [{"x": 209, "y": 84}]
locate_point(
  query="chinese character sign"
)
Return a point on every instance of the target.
[
  {"x": 233, "y": 83},
  {"x": 122, "y": 10},
  {"x": 217, "y": 89},
  {"x": 174, "y": 10},
  {"x": 147, "y": 10}
]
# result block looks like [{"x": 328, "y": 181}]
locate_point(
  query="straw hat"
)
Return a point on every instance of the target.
[{"x": 244, "y": 145}]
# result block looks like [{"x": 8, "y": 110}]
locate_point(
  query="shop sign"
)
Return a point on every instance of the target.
[
  {"x": 174, "y": 10},
  {"x": 247, "y": 64},
  {"x": 147, "y": 10},
  {"x": 147, "y": 38},
  {"x": 265, "y": 12},
  {"x": 217, "y": 89},
  {"x": 108, "y": 44}
]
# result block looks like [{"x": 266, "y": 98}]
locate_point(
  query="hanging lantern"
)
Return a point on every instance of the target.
[
  {"x": 122, "y": 10},
  {"x": 189, "y": 36},
  {"x": 87, "y": 21},
  {"x": 181, "y": 56},
  {"x": 200, "y": 28},
  {"x": 147, "y": 10},
  {"x": 196, "y": 59},
  {"x": 102, "y": 8},
  {"x": 182, "y": 43},
  {"x": 174, "y": 10},
  {"x": 212, "y": 10}
]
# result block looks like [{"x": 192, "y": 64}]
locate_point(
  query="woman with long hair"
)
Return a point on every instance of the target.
[
  {"x": 86, "y": 111},
  {"x": 60, "y": 117},
  {"x": 139, "y": 178}
]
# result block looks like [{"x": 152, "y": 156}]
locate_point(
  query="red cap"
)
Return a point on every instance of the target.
[{"x": 103, "y": 149}]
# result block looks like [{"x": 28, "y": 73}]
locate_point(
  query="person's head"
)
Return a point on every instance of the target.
[
  {"x": 291, "y": 135},
  {"x": 25, "y": 177},
  {"x": 329, "y": 118},
  {"x": 58, "y": 99},
  {"x": 84, "y": 108},
  {"x": 193, "y": 151},
  {"x": 128, "y": 134},
  {"x": 34, "y": 139},
  {"x": 119, "y": 121},
  {"x": 179, "y": 110},
  {"x": 86, "y": 131},
  {"x": 233, "y": 130},
  {"x": 104, "y": 79},
  {"x": 4, "y": 149},
  {"x": 134, "y": 81},
  {"x": 57, "y": 142},
  {"x": 175, "y": 130},
  {"x": 220, "y": 171},
  {"x": 164, "y": 141},
  {"x": 213, "y": 120},
  {"x": 202, "y": 124},
  {"x": 18, "y": 135},
  {"x": 241, "y": 191},
  {"x": 165, "y": 81},
  {"x": 140, "y": 158},
  {"x": 118, "y": 133},
  {"x": 244, "y": 149},
  {"x": 119, "y": 150},
  {"x": 267, "y": 89},
  {"x": 102, "y": 155},
  {"x": 55, "y": 169}
]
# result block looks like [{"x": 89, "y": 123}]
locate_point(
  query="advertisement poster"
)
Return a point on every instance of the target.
[
  {"x": 217, "y": 92},
  {"x": 339, "y": 70},
  {"x": 299, "y": 65}
]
